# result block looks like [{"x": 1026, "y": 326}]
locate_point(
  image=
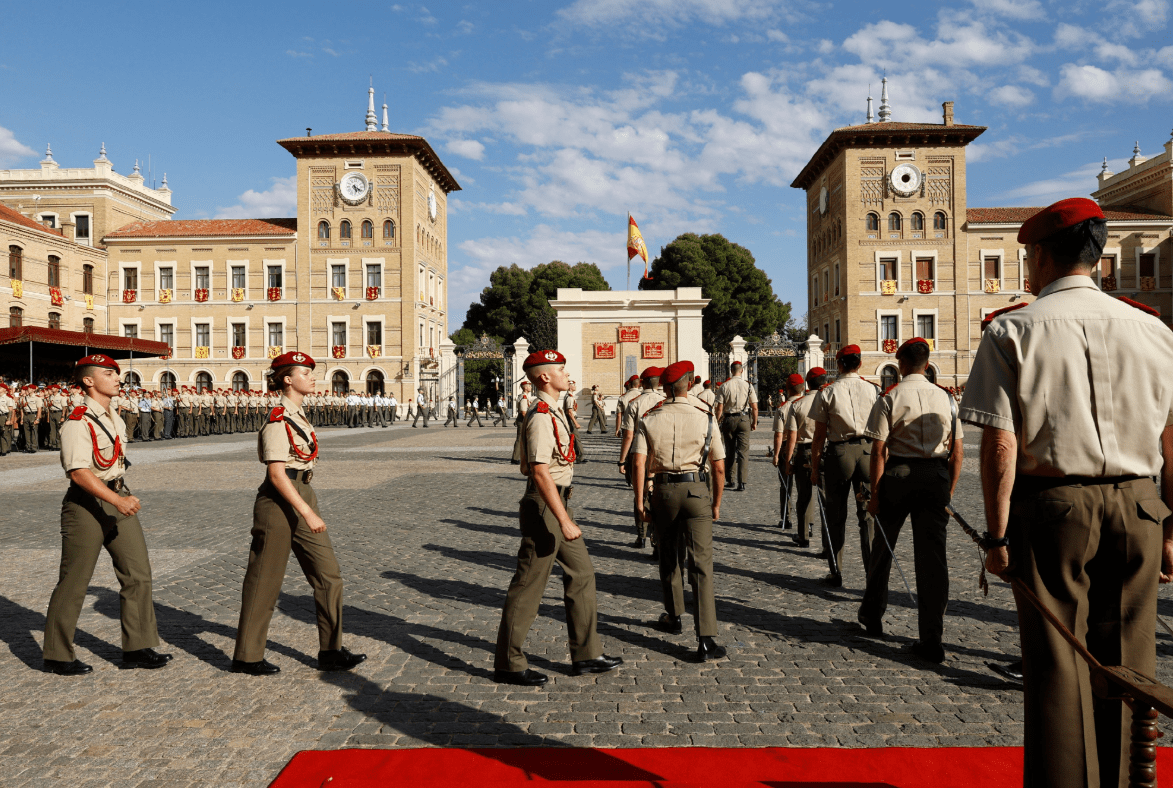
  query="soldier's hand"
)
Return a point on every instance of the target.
[
  {"x": 774, "y": 460},
  {"x": 873, "y": 506},
  {"x": 1166, "y": 562},
  {"x": 644, "y": 515},
  {"x": 316, "y": 524},
  {"x": 815, "y": 476},
  {"x": 998, "y": 561},
  {"x": 786, "y": 469},
  {"x": 716, "y": 512},
  {"x": 571, "y": 531},
  {"x": 128, "y": 505}
]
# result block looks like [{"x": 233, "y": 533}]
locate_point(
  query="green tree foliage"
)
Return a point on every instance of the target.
[
  {"x": 479, "y": 372},
  {"x": 742, "y": 300}
]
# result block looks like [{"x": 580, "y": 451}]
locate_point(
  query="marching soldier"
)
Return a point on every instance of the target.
[
  {"x": 841, "y": 412},
  {"x": 156, "y": 404},
  {"x": 453, "y": 413},
  {"x": 800, "y": 433},
  {"x": 737, "y": 412},
  {"x": 631, "y": 391},
  {"x": 98, "y": 512},
  {"x": 169, "y": 414},
  {"x": 707, "y": 395},
  {"x": 33, "y": 408},
  {"x": 548, "y": 534},
  {"x": 286, "y": 517},
  {"x": 648, "y": 399},
  {"x": 795, "y": 385},
  {"x": 392, "y": 409},
  {"x": 1073, "y": 395},
  {"x": 917, "y": 453},
  {"x": 674, "y": 444},
  {"x": 421, "y": 408},
  {"x": 524, "y": 400},
  {"x": 58, "y": 402},
  {"x": 474, "y": 412},
  {"x": 598, "y": 411}
]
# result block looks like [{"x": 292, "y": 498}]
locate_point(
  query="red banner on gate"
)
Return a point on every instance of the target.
[
  {"x": 653, "y": 350},
  {"x": 604, "y": 350},
  {"x": 629, "y": 333}
]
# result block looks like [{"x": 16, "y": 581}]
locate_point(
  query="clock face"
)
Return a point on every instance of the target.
[
  {"x": 905, "y": 179},
  {"x": 823, "y": 200},
  {"x": 432, "y": 206},
  {"x": 354, "y": 187}
]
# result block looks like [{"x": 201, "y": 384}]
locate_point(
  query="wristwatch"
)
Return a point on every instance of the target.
[{"x": 990, "y": 543}]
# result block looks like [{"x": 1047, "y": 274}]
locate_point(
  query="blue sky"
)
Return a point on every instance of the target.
[{"x": 558, "y": 118}]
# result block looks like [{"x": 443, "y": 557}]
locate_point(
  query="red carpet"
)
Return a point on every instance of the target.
[{"x": 894, "y": 767}]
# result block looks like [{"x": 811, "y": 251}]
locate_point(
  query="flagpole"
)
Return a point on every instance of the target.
[{"x": 628, "y": 229}]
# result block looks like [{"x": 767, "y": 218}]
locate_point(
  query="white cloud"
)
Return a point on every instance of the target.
[
  {"x": 1014, "y": 9},
  {"x": 277, "y": 202},
  {"x": 469, "y": 149},
  {"x": 960, "y": 43},
  {"x": 1137, "y": 18},
  {"x": 431, "y": 66},
  {"x": 11, "y": 149},
  {"x": 1076, "y": 183},
  {"x": 464, "y": 26},
  {"x": 1092, "y": 83},
  {"x": 1012, "y": 96},
  {"x": 670, "y": 12},
  {"x": 1072, "y": 36},
  {"x": 1117, "y": 52},
  {"x": 1033, "y": 76},
  {"x": 825, "y": 46},
  {"x": 778, "y": 36}
]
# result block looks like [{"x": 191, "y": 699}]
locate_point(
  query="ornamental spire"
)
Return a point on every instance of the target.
[
  {"x": 871, "y": 118},
  {"x": 385, "y": 113},
  {"x": 372, "y": 121},
  {"x": 885, "y": 110}
]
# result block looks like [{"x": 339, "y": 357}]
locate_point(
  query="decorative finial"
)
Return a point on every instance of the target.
[
  {"x": 871, "y": 117},
  {"x": 1137, "y": 158},
  {"x": 48, "y": 152},
  {"x": 1136, "y": 148},
  {"x": 885, "y": 110},
  {"x": 372, "y": 121},
  {"x": 136, "y": 170},
  {"x": 164, "y": 180},
  {"x": 385, "y": 113},
  {"x": 102, "y": 152},
  {"x": 1104, "y": 169}
]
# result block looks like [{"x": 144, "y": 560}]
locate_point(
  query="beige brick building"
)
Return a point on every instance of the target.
[{"x": 894, "y": 251}]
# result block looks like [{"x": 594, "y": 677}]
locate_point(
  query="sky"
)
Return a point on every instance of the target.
[{"x": 559, "y": 118}]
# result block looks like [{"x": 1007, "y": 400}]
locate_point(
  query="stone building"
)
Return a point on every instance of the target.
[{"x": 894, "y": 251}]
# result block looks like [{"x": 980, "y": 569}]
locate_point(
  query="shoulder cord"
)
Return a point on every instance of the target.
[
  {"x": 573, "y": 455},
  {"x": 301, "y": 455},
  {"x": 708, "y": 443},
  {"x": 99, "y": 460}
]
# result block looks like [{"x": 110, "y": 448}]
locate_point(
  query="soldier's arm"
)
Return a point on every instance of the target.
[
  {"x": 545, "y": 484},
  {"x": 998, "y": 454},
  {"x": 85, "y": 479},
  {"x": 639, "y": 463},
  {"x": 817, "y": 450},
  {"x": 718, "y": 483},
  {"x": 875, "y": 472},
  {"x": 791, "y": 441},
  {"x": 720, "y": 410},
  {"x": 753, "y": 407},
  {"x": 777, "y": 447},
  {"x": 956, "y": 459},
  {"x": 1167, "y": 494},
  {"x": 628, "y": 435},
  {"x": 284, "y": 485}
]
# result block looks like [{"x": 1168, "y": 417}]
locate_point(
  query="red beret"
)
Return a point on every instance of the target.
[
  {"x": 814, "y": 372},
  {"x": 633, "y": 379},
  {"x": 848, "y": 350},
  {"x": 708, "y": 383},
  {"x": 674, "y": 372},
  {"x": 543, "y": 357},
  {"x": 651, "y": 372},
  {"x": 1056, "y": 217},
  {"x": 98, "y": 360},
  {"x": 795, "y": 379},
  {"x": 294, "y": 358},
  {"x": 910, "y": 343}
]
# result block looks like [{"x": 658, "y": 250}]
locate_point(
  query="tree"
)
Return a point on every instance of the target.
[
  {"x": 517, "y": 302},
  {"x": 742, "y": 300}
]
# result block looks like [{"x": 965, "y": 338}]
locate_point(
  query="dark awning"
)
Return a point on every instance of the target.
[{"x": 55, "y": 345}]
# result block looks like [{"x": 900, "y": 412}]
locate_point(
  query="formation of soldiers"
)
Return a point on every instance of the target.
[{"x": 1076, "y": 414}]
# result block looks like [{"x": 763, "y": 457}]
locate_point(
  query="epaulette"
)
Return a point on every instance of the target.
[
  {"x": 990, "y": 317},
  {"x": 277, "y": 414},
  {"x": 78, "y": 413},
  {"x": 1148, "y": 310},
  {"x": 542, "y": 407},
  {"x": 654, "y": 407}
]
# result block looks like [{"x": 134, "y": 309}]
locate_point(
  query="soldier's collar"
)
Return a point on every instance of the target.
[
  {"x": 1068, "y": 283},
  {"x": 289, "y": 406}
]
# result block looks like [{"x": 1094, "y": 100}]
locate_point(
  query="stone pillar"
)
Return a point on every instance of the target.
[
  {"x": 520, "y": 350},
  {"x": 737, "y": 351},
  {"x": 814, "y": 355},
  {"x": 447, "y": 371}
]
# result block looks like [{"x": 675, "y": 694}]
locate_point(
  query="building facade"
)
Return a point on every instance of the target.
[{"x": 894, "y": 251}]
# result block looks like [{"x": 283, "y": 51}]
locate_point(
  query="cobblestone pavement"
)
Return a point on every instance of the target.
[{"x": 424, "y": 523}]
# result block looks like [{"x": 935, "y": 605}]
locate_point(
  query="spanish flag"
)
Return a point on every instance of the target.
[{"x": 636, "y": 245}]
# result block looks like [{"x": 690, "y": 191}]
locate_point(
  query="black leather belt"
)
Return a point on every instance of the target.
[
  {"x": 563, "y": 491},
  {"x": 1031, "y": 485},
  {"x": 856, "y": 439},
  {"x": 681, "y": 478},
  {"x": 299, "y": 476},
  {"x": 116, "y": 485}
]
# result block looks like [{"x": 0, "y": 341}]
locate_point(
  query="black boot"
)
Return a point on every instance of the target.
[{"x": 708, "y": 650}]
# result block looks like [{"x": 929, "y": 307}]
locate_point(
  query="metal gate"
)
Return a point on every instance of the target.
[
  {"x": 719, "y": 365},
  {"x": 486, "y": 348},
  {"x": 773, "y": 346}
]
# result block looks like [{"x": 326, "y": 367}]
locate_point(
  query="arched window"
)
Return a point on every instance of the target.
[
  {"x": 87, "y": 279},
  {"x": 918, "y": 221},
  {"x": 340, "y": 382},
  {"x": 132, "y": 380},
  {"x": 374, "y": 382},
  {"x": 15, "y": 317},
  {"x": 54, "y": 271},
  {"x": 938, "y": 221},
  {"x": 203, "y": 382},
  {"x": 873, "y": 222},
  {"x": 931, "y": 373},
  {"x": 894, "y": 222},
  {"x": 388, "y": 230},
  {"x": 368, "y": 229},
  {"x": 324, "y": 230},
  {"x": 167, "y": 381},
  {"x": 15, "y": 263},
  {"x": 888, "y": 377},
  {"x": 344, "y": 229},
  {"x": 239, "y": 381},
  {"x": 55, "y": 320},
  {"x": 87, "y": 325}
]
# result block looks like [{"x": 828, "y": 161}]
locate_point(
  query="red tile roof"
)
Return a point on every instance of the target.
[
  {"x": 1020, "y": 215},
  {"x": 206, "y": 228},
  {"x": 386, "y": 143},
  {"x": 16, "y": 217}
]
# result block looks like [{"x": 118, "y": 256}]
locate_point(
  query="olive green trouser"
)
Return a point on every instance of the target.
[
  {"x": 157, "y": 425},
  {"x": 277, "y": 529},
  {"x": 520, "y": 424},
  {"x": 5, "y": 434},
  {"x": 88, "y": 525},
  {"x": 28, "y": 431},
  {"x": 597, "y": 417},
  {"x": 54, "y": 427},
  {"x": 474, "y": 415},
  {"x": 737, "y": 447},
  {"x": 846, "y": 467},
  {"x": 1092, "y": 555},
  {"x": 918, "y": 488},
  {"x": 542, "y": 544},
  {"x": 805, "y": 506},
  {"x": 684, "y": 511}
]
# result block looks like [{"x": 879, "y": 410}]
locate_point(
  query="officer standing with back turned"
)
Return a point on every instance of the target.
[{"x": 737, "y": 412}]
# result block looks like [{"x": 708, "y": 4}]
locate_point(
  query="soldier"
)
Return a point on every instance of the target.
[
  {"x": 502, "y": 414},
  {"x": 648, "y": 399},
  {"x": 737, "y": 412},
  {"x": 1074, "y": 399},
  {"x": 841, "y": 412},
  {"x": 58, "y": 402},
  {"x": 795, "y": 385},
  {"x": 392, "y": 408},
  {"x": 453, "y": 413},
  {"x": 98, "y": 511},
  {"x": 156, "y": 403},
  {"x": 286, "y": 517},
  {"x": 917, "y": 453},
  {"x": 570, "y": 409},
  {"x": 33, "y": 410},
  {"x": 707, "y": 395},
  {"x": 631, "y": 391},
  {"x": 524, "y": 400},
  {"x": 800, "y": 432},
  {"x": 598, "y": 411},
  {"x": 7, "y": 411},
  {"x": 145, "y": 421},
  {"x": 421, "y": 408},
  {"x": 474, "y": 412},
  {"x": 674, "y": 444},
  {"x": 548, "y": 534},
  {"x": 169, "y": 414}
]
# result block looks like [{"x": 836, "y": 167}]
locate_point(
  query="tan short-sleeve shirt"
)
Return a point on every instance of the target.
[
  {"x": 1081, "y": 378},
  {"x": 672, "y": 436},
  {"x": 638, "y": 407},
  {"x": 275, "y": 439},
  {"x": 548, "y": 440},
  {"x": 915, "y": 419},
  {"x": 798, "y": 418},
  {"x": 32, "y": 403},
  {"x": 78, "y": 444},
  {"x": 708, "y": 396},
  {"x": 736, "y": 394},
  {"x": 782, "y": 411},
  {"x": 844, "y": 406}
]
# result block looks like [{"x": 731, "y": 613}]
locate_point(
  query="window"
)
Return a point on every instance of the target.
[
  {"x": 276, "y": 335},
  {"x": 926, "y": 326},
  {"x": 337, "y": 275},
  {"x": 203, "y": 277},
  {"x": 166, "y": 278},
  {"x": 55, "y": 320},
  {"x": 167, "y": 334},
  {"x": 130, "y": 330},
  {"x": 918, "y": 221},
  {"x": 203, "y": 332},
  {"x": 15, "y": 317},
  {"x": 873, "y": 222},
  {"x": 992, "y": 268},
  {"x": 203, "y": 382},
  {"x": 888, "y": 377},
  {"x": 374, "y": 382},
  {"x": 87, "y": 279},
  {"x": 132, "y": 380},
  {"x": 894, "y": 222},
  {"x": 827, "y": 331},
  {"x": 388, "y": 230},
  {"x": 324, "y": 230},
  {"x": 239, "y": 276},
  {"x": 836, "y": 279},
  {"x": 375, "y": 334},
  {"x": 82, "y": 231},
  {"x": 938, "y": 221},
  {"x": 339, "y": 382},
  {"x": 422, "y": 335},
  {"x": 238, "y": 335},
  {"x": 1108, "y": 266},
  {"x": 344, "y": 229},
  {"x": 15, "y": 263},
  {"x": 887, "y": 268},
  {"x": 338, "y": 334},
  {"x": 374, "y": 276},
  {"x": 815, "y": 288},
  {"x": 1148, "y": 264},
  {"x": 924, "y": 268},
  {"x": 49, "y": 220},
  {"x": 87, "y": 325},
  {"x": 838, "y": 333},
  {"x": 826, "y": 282},
  {"x": 889, "y": 327},
  {"x": 274, "y": 276},
  {"x": 239, "y": 381},
  {"x": 167, "y": 381},
  {"x": 130, "y": 279},
  {"x": 368, "y": 229},
  {"x": 54, "y": 271}
]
